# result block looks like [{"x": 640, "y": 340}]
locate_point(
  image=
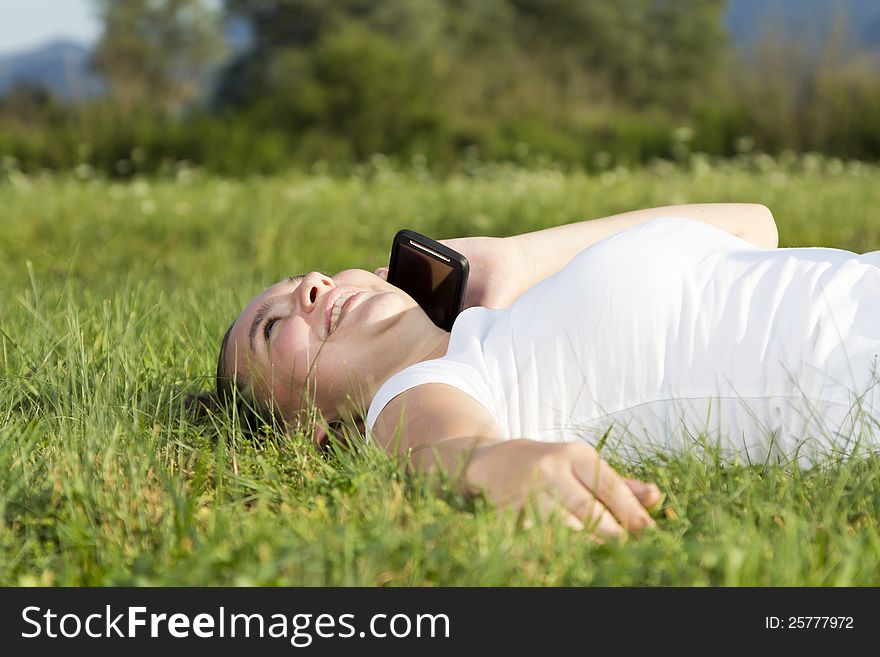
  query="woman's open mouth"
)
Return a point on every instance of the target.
[{"x": 339, "y": 307}]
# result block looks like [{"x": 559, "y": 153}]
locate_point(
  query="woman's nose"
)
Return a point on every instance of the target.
[{"x": 314, "y": 285}]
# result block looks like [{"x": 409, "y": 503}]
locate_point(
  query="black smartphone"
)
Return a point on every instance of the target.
[{"x": 434, "y": 275}]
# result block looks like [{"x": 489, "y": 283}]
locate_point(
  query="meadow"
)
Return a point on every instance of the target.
[{"x": 113, "y": 298}]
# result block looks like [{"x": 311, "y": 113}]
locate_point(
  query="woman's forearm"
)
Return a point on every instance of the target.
[
  {"x": 545, "y": 252},
  {"x": 449, "y": 457}
]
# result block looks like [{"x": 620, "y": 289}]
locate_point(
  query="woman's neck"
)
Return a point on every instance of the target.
[
  {"x": 429, "y": 345},
  {"x": 426, "y": 343},
  {"x": 437, "y": 346}
]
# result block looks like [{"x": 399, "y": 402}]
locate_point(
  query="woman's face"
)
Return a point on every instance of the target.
[{"x": 274, "y": 343}]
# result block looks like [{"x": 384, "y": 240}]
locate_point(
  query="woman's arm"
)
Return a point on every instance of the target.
[
  {"x": 544, "y": 252},
  {"x": 442, "y": 428},
  {"x": 502, "y": 268}
]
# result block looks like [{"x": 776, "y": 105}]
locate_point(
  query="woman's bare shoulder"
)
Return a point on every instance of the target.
[{"x": 429, "y": 413}]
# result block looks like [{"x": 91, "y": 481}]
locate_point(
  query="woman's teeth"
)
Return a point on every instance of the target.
[{"x": 337, "y": 309}]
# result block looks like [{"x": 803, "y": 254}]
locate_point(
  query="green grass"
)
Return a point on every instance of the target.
[{"x": 113, "y": 297}]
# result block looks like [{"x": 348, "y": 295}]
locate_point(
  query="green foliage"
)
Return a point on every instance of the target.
[
  {"x": 588, "y": 84},
  {"x": 356, "y": 86},
  {"x": 645, "y": 51},
  {"x": 828, "y": 102},
  {"x": 114, "y": 298},
  {"x": 401, "y": 77},
  {"x": 97, "y": 137}
]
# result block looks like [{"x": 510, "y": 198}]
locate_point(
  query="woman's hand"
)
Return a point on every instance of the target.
[
  {"x": 495, "y": 270},
  {"x": 570, "y": 479}
]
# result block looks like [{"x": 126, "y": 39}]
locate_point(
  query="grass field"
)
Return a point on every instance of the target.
[{"x": 113, "y": 297}]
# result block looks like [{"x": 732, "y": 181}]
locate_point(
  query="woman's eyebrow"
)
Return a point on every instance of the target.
[{"x": 263, "y": 312}]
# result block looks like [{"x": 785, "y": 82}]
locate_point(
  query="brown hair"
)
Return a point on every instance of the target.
[{"x": 253, "y": 415}]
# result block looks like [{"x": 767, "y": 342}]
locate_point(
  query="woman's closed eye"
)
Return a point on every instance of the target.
[{"x": 267, "y": 327}]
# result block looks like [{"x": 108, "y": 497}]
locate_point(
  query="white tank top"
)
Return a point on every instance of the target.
[{"x": 675, "y": 333}]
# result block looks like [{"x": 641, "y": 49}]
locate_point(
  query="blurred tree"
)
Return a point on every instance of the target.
[
  {"x": 381, "y": 74},
  {"x": 795, "y": 96},
  {"x": 645, "y": 51},
  {"x": 284, "y": 26},
  {"x": 25, "y": 100},
  {"x": 355, "y": 85},
  {"x": 154, "y": 54},
  {"x": 362, "y": 73}
]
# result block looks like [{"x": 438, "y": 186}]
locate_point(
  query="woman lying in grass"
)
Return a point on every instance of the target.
[{"x": 656, "y": 329}]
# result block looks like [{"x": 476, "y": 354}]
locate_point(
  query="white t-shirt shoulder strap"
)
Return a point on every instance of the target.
[{"x": 441, "y": 370}]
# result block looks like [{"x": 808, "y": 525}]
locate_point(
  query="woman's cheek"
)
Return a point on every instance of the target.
[{"x": 294, "y": 357}]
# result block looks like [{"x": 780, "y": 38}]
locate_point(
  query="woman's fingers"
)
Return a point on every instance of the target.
[
  {"x": 548, "y": 504},
  {"x": 596, "y": 519},
  {"x": 545, "y": 504},
  {"x": 647, "y": 493},
  {"x": 570, "y": 477},
  {"x": 610, "y": 489},
  {"x": 594, "y": 516},
  {"x": 578, "y": 509},
  {"x": 569, "y": 501},
  {"x": 382, "y": 273}
]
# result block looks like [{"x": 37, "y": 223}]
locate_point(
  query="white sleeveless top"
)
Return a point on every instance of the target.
[{"x": 675, "y": 333}]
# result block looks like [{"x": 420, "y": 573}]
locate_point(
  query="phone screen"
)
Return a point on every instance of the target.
[{"x": 430, "y": 282}]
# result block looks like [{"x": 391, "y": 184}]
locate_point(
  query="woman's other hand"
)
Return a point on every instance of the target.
[
  {"x": 495, "y": 270},
  {"x": 569, "y": 479}
]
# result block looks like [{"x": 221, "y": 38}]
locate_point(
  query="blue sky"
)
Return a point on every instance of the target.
[{"x": 30, "y": 23}]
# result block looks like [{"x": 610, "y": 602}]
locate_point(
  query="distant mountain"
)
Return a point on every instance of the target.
[{"x": 60, "y": 66}]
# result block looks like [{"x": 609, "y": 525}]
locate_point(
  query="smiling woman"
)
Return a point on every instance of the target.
[{"x": 650, "y": 327}]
